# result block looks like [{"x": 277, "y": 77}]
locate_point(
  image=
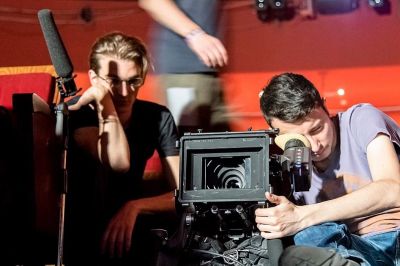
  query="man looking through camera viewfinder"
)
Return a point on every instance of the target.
[{"x": 351, "y": 214}]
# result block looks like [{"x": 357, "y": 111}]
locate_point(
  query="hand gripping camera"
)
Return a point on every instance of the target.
[{"x": 223, "y": 179}]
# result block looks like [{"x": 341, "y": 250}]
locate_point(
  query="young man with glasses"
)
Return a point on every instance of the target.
[{"x": 113, "y": 135}]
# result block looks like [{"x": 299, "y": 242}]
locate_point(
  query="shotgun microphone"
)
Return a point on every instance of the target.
[{"x": 58, "y": 54}]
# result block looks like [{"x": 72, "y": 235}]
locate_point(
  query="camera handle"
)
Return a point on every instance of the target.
[
  {"x": 275, "y": 246},
  {"x": 275, "y": 249}
]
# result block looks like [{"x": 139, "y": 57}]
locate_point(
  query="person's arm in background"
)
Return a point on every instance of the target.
[
  {"x": 209, "y": 49},
  {"x": 117, "y": 238}
]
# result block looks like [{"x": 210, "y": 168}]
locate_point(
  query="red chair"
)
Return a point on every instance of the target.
[{"x": 28, "y": 168}]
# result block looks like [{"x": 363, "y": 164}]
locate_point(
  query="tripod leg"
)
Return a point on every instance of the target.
[{"x": 60, "y": 246}]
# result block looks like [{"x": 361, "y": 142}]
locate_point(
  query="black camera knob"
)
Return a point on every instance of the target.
[{"x": 189, "y": 219}]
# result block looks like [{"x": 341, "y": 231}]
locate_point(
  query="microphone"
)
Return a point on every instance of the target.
[
  {"x": 58, "y": 54},
  {"x": 296, "y": 159}
]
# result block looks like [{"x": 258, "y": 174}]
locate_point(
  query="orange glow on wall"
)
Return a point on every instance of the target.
[{"x": 375, "y": 85}]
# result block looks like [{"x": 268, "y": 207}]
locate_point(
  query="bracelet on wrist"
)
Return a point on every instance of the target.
[
  {"x": 193, "y": 33},
  {"x": 108, "y": 120}
]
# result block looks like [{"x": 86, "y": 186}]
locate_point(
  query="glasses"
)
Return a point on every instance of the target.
[{"x": 115, "y": 82}]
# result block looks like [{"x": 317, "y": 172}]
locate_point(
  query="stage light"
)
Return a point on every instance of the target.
[
  {"x": 269, "y": 10},
  {"x": 262, "y": 10},
  {"x": 341, "y": 92},
  {"x": 335, "y": 6},
  {"x": 277, "y": 4},
  {"x": 376, "y": 3},
  {"x": 261, "y": 5},
  {"x": 382, "y": 7}
]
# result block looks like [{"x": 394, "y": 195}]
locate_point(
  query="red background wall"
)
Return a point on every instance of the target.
[{"x": 356, "y": 51}]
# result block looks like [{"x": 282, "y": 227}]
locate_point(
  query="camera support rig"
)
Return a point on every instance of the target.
[{"x": 223, "y": 179}]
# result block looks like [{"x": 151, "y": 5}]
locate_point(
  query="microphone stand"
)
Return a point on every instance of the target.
[{"x": 62, "y": 135}]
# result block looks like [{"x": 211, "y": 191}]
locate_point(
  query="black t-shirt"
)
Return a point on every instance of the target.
[{"x": 151, "y": 128}]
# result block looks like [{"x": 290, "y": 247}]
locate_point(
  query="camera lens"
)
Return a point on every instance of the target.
[
  {"x": 226, "y": 173},
  {"x": 231, "y": 177}
]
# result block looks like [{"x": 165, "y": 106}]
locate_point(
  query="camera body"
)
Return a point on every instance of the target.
[
  {"x": 224, "y": 167},
  {"x": 223, "y": 179}
]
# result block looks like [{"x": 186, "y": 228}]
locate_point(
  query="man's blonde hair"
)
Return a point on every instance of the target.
[{"x": 120, "y": 46}]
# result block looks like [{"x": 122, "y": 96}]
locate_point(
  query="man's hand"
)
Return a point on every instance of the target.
[
  {"x": 209, "y": 49},
  {"x": 93, "y": 94},
  {"x": 281, "y": 220},
  {"x": 118, "y": 236}
]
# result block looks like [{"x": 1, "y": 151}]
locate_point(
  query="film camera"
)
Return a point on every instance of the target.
[{"x": 223, "y": 179}]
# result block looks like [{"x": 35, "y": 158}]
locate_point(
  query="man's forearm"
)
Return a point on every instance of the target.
[
  {"x": 113, "y": 147},
  {"x": 159, "y": 203},
  {"x": 373, "y": 198}
]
